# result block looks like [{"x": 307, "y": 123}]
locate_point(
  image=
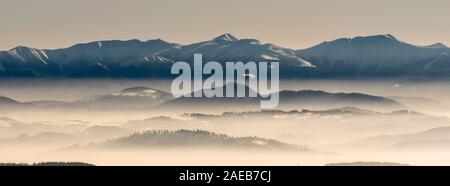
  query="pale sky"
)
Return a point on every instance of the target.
[{"x": 290, "y": 23}]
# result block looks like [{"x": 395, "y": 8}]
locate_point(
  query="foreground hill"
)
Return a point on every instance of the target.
[{"x": 200, "y": 139}]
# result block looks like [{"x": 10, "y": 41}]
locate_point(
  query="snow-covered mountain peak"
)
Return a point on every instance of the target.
[
  {"x": 375, "y": 39},
  {"x": 225, "y": 37}
]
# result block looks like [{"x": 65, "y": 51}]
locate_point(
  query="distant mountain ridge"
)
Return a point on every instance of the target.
[
  {"x": 436, "y": 45},
  {"x": 198, "y": 138},
  {"x": 288, "y": 100},
  {"x": 431, "y": 139},
  {"x": 371, "y": 56},
  {"x": 377, "y": 56}
]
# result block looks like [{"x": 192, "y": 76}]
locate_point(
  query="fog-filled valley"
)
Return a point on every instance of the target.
[{"x": 139, "y": 122}]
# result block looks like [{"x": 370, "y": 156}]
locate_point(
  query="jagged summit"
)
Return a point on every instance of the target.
[
  {"x": 225, "y": 37},
  {"x": 24, "y": 54}
]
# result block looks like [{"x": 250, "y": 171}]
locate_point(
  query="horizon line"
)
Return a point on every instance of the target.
[{"x": 238, "y": 38}]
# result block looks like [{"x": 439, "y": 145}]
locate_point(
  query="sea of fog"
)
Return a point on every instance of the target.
[{"x": 45, "y": 124}]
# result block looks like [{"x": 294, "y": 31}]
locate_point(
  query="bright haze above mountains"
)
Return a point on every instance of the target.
[
  {"x": 290, "y": 23},
  {"x": 369, "y": 56}
]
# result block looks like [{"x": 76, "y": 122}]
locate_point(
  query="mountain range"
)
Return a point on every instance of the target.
[
  {"x": 371, "y": 56},
  {"x": 432, "y": 139},
  {"x": 148, "y": 98},
  {"x": 198, "y": 138}
]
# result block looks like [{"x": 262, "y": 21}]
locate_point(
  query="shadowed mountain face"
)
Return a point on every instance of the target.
[
  {"x": 156, "y": 123},
  {"x": 203, "y": 102},
  {"x": 134, "y": 58},
  {"x": 367, "y": 164},
  {"x": 372, "y": 56}
]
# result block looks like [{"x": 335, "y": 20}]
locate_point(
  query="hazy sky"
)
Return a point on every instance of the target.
[{"x": 289, "y": 23}]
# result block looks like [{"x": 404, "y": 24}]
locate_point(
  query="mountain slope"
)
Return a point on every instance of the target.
[
  {"x": 312, "y": 99},
  {"x": 8, "y": 104},
  {"x": 379, "y": 55},
  {"x": 288, "y": 100},
  {"x": 433, "y": 139},
  {"x": 226, "y": 48},
  {"x": 134, "y": 97},
  {"x": 436, "y": 45},
  {"x": 134, "y": 58},
  {"x": 203, "y": 139}
]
